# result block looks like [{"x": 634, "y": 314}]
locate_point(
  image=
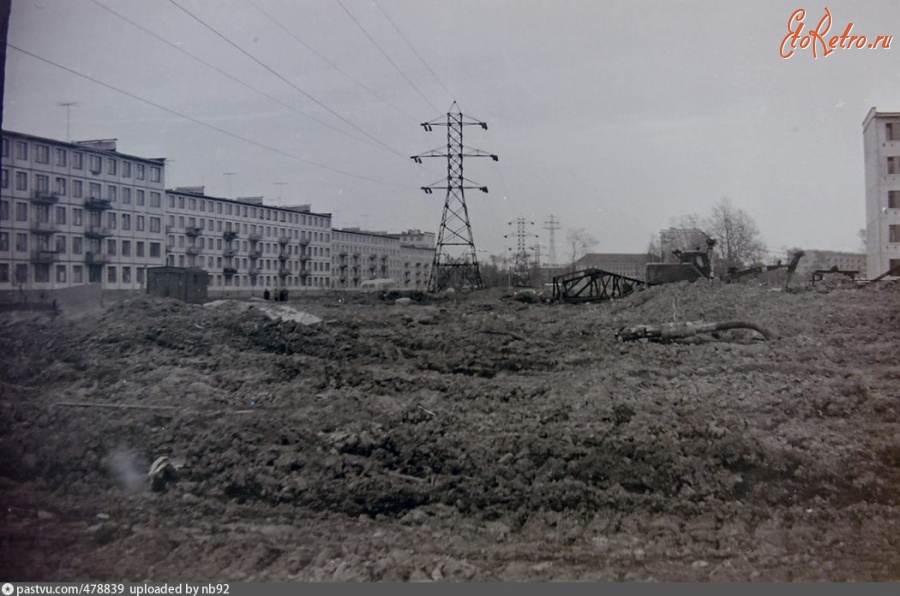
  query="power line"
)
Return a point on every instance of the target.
[
  {"x": 271, "y": 70},
  {"x": 394, "y": 64},
  {"x": 329, "y": 62},
  {"x": 403, "y": 37},
  {"x": 226, "y": 74},
  {"x": 201, "y": 123}
]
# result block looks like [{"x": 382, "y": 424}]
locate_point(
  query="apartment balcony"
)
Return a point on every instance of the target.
[
  {"x": 45, "y": 255},
  {"x": 283, "y": 272},
  {"x": 255, "y": 237},
  {"x": 229, "y": 271},
  {"x": 253, "y": 271},
  {"x": 342, "y": 267},
  {"x": 228, "y": 253},
  {"x": 193, "y": 231},
  {"x": 304, "y": 258},
  {"x": 193, "y": 250},
  {"x": 44, "y": 227},
  {"x": 255, "y": 254},
  {"x": 303, "y": 242},
  {"x": 284, "y": 255},
  {"x": 95, "y": 258},
  {"x": 97, "y": 232},
  {"x": 304, "y": 273},
  {"x": 343, "y": 255},
  {"x": 229, "y": 235},
  {"x": 283, "y": 239},
  {"x": 170, "y": 247},
  {"x": 96, "y": 203},
  {"x": 44, "y": 197}
]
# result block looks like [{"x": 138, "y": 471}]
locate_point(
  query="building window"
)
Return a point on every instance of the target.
[
  {"x": 61, "y": 244},
  {"x": 154, "y": 199},
  {"x": 77, "y": 188},
  {"x": 889, "y": 132},
  {"x": 5, "y": 143},
  {"x": 154, "y": 174},
  {"x": 126, "y": 275},
  {"x": 77, "y": 246},
  {"x": 93, "y": 190},
  {"x": 4, "y": 270},
  {"x": 111, "y": 166},
  {"x": 61, "y": 157},
  {"x": 139, "y": 223},
  {"x": 894, "y": 199},
  {"x": 60, "y": 186},
  {"x": 41, "y": 183},
  {"x": 61, "y": 215},
  {"x": 126, "y": 248},
  {"x": 139, "y": 249},
  {"x": 78, "y": 161},
  {"x": 140, "y": 275},
  {"x": 42, "y": 273},
  {"x": 111, "y": 247},
  {"x": 4, "y": 241},
  {"x": 155, "y": 224},
  {"x": 893, "y": 164},
  {"x": 77, "y": 215},
  {"x": 4, "y": 210},
  {"x": 894, "y": 233},
  {"x": 155, "y": 249},
  {"x": 126, "y": 221},
  {"x": 21, "y": 181},
  {"x": 139, "y": 171},
  {"x": 21, "y": 150},
  {"x": 61, "y": 274},
  {"x": 4, "y": 180},
  {"x": 111, "y": 220},
  {"x": 21, "y": 211},
  {"x": 139, "y": 198},
  {"x": 111, "y": 192},
  {"x": 111, "y": 274},
  {"x": 95, "y": 164},
  {"x": 77, "y": 274},
  {"x": 21, "y": 242},
  {"x": 42, "y": 154},
  {"x": 181, "y": 202}
]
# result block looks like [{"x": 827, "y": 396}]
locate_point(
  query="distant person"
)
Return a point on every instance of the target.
[
  {"x": 266, "y": 295},
  {"x": 283, "y": 295}
]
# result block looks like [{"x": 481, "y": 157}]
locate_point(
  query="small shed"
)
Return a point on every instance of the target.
[{"x": 182, "y": 283}]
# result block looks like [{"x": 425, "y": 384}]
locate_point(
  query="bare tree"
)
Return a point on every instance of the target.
[
  {"x": 581, "y": 241},
  {"x": 654, "y": 250},
  {"x": 738, "y": 240}
]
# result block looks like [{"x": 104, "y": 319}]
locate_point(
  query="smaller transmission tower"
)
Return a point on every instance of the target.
[
  {"x": 552, "y": 225},
  {"x": 521, "y": 272},
  {"x": 455, "y": 263}
]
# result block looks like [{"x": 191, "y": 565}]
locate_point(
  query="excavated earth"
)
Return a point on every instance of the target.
[{"x": 474, "y": 438}]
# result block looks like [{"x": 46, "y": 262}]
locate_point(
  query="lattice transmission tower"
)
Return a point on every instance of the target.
[
  {"x": 521, "y": 271},
  {"x": 552, "y": 225},
  {"x": 455, "y": 263}
]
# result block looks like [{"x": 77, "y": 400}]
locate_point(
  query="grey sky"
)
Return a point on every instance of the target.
[{"x": 613, "y": 116}]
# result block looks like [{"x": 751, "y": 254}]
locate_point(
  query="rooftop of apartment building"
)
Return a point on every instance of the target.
[
  {"x": 199, "y": 192},
  {"x": 107, "y": 146}
]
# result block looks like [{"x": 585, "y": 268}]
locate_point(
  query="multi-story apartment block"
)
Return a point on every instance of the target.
[
  {"x": 245, "y": 245},
  {"x": 823, "y": 260},
  {"x": 881, "y": 146},
  {"x": 360, "y": 256},
  {"x": 76, "y": 213}
]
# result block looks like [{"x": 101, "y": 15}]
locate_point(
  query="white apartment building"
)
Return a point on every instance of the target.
[
  {"x": 881, "y": 145},
  {"x": 245, "y": 246},
  {"x": 360, "y": 256},
  {"x": 76, "y": 213}
]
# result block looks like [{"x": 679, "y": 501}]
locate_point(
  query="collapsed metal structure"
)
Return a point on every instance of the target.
[{"x": 593, "y": 285}]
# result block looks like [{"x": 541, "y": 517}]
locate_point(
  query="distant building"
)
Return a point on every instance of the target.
[
  {"x": 361, "y": 256},
  {"x": 627, "y": 264},
  {"x": 881, "y": 146},
  {"x": 78, "y": 213}
]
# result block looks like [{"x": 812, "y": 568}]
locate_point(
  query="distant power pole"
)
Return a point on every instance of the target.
[
  {"x": 521, "y": 273},
  {"x": 455, "y": 263},
  {"x": 552, "y": 224}
]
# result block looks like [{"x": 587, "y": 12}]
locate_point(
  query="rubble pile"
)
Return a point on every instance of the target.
[{"x": 471, "y": 438}]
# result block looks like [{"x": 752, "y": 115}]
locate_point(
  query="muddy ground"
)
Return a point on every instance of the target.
[{"x": 467, "y": 438}]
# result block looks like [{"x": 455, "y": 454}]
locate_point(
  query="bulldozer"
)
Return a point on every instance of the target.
[{"x": 691, "y": 266}]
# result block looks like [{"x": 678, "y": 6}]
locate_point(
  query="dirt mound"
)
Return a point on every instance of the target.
[{"x": 505, "y": 439}]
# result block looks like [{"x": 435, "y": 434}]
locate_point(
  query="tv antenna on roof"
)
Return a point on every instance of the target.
[{"x": 68, "y": 105}]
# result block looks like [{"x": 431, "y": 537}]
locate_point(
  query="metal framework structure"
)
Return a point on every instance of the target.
[
  {"x": 521, "y": 272},
  {"x": 552, "y": 225},
  {"x": 593, "y": 285},
  {"x": 455, "y": 262}
]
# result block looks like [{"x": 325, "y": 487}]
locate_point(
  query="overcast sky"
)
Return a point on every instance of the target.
[{"x": 616, "y": 116}]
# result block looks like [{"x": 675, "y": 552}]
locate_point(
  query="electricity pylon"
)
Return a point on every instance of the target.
[
  {"x": 521, "y": 272},
  {"x": 455, "y": 263}
]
